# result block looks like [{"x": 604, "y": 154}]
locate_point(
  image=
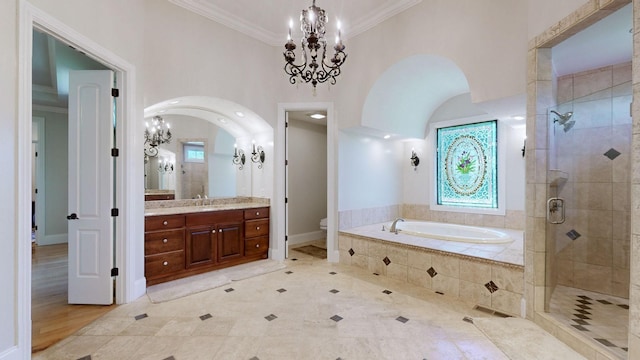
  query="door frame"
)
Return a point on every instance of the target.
[
  {"x": 129, "y": 223},
  {"x": 40, "y": 160},
  {"x": 278, "y": 252}
]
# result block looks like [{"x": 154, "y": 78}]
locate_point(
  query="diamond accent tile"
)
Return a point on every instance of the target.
[
  {"x": 205, "y": 317},
  {"x": 229, "y": 290},
  {"x": 141, "y": 316},
  {"x": 580, "y": 321},
  {"x": 584, "y": 307},
  {"x": 624, "y": 306},
  {"x": 255, "y": 358},
  {"x": 605, "y": 342},
  {"x": 281, "y": 290},
  {"x": 386, "y": 261},
  {"x": 580, "y": 327},
  {"x": 584, "y": 297},
  {"x": 336, "y": 318},
  {"x": 170, "y": 358},
  {"x": 432, "y": 272},
  {"x": 88, "y": 357},
  {"x": 585, "y": 312},
  {"x": 387, "y": 292},
  {"x": 270, "y": 317},
  {"x": 439, "y": 293},
  {"x": 583, "y": 317},
  {"x": 402, "y": 319},
  {"x": 288, "y": 272},
  {"x": 491, "y": 286},
  {"x": 334, "y": 291},
  {"x": 351, "y": 252},
  {"x": 573, "y": 235},
  {"x": 333, "y": 273},
  {"x": 294, "y": 259},
  {"x": 612, "y": 153},
  {"x": 605, "y": 302},
  {"x": 584, "y": 302}
]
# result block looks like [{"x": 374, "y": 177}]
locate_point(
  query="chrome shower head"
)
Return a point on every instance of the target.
[{"x": 563, "y": 119}]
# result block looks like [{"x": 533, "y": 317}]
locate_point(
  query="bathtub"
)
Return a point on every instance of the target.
[{"x": 452, "y": 232}]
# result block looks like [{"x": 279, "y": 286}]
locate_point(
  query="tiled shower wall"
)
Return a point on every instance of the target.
[
  {"x": 592, "y": 247},
  {"x": 513, "y": 219}
]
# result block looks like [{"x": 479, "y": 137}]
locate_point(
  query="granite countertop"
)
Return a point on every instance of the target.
[{"x": 202, "y": 208}]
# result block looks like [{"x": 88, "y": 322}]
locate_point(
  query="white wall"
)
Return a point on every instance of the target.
[
  {"x": 369, "y": 171},
  {"x": 307, "y": 147}
]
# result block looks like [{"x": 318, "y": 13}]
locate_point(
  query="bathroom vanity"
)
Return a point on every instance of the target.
[{"x": 189, "y": 240}]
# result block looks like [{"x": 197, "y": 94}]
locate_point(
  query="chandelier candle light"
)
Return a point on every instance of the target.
[
  {"x": 313, "y": 69},
  {"x": 156, "y": 133}
]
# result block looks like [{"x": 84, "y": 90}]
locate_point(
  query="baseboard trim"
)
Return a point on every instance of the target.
[
  {"x": 306, "y": 237},
  {"x": 54, "y": 239}
]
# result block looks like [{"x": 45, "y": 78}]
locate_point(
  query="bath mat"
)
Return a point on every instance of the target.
[
  {"x": 521, "y": 339},
  {"x": 194, "y": 284},
  {"x": 313, "y": 251}
]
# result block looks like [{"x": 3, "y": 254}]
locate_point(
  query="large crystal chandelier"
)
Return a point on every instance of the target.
[
  {"x": 316, "y": 67},
  {"x": 157, "y": 132}
]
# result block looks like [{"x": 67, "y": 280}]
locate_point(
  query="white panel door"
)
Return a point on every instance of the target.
[{"x": 90, "y": 225}]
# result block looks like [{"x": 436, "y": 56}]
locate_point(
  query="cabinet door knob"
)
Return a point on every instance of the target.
[
  {"x": 165, "y": 223},
  {"x": 213, "y": 231},
  {"x": 165, "y": 263},
  {"x": 257, "y": 213},
  {"x": 257, "y": 227},
  {"x": 220, "y": 230},
  {"x": 164, "y": 240},
  {"x": 257, "y": 245}
]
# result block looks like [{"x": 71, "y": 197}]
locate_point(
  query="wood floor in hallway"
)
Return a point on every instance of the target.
[{"x": 52, "y": 318}]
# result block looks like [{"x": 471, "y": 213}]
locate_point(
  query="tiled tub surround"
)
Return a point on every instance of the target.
[
  {"x": 513, "y": 219},
  {"x": 490, "y": 275}
]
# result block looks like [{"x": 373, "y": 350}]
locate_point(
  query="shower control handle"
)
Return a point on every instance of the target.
[{"x": 555, "y": 211}]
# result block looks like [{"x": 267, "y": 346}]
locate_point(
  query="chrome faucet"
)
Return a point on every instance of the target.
[
  {"x": 199, "y": 200},
  {"x": 393, "y": 227}
]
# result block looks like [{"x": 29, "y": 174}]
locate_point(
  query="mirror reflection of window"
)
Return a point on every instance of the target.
[{"x": 193, "y": 152}]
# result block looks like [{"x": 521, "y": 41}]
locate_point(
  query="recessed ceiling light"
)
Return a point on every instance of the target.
[
  {"x": 387, "y": 136},
  {"x": 240, "y": 113},
  {"x": 317, "y": 116},
  {"x": 162, "y": 111},
  {"x": 224, "y": 121},
  {"x": 174, "y": 102},
  {"x": 518, "y": 117}
]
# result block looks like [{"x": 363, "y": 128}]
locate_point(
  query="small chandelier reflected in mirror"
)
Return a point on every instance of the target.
[
  {"x": 316, "y": 67},
  {"x": 257, "y": 155},
  {"x": 157, "y": 132},
  {"x": 165, "y": 166}
]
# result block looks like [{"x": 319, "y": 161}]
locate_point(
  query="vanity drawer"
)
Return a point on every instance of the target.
[
  {"x": 253, "y": 228},
  {"x": 163, "y": 222},
  {"x": 162, "y": 264},
  {"x": 257, "y": 213},
  {"x": 256, "y": 245},
  {"x": 163, "y": 241}
]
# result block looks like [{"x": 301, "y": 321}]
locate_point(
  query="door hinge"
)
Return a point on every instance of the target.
[
  {"x": 114, "y": 272},
  {"x": 286, "y": 162},
  {"x": 35, "y": 228},
  {"x": 115, "y": 152},
  {"x": 114, "y": 212},
  {"x": 286, "y": 238},
  {"x": 286, "y": 200},
  {"x": 36, "y": 191},
  {"x": 286, "y": 124},
  {"x": 36, "y": 154},
  {"x": 115, "y": 92}
]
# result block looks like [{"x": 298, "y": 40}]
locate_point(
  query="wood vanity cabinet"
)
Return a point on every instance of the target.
[
  {"x": 256, "y": 232},
  {"x": 177, "y": 246}
]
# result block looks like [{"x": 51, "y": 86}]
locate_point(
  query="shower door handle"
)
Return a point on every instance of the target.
[{"x": 555, "y": 210}]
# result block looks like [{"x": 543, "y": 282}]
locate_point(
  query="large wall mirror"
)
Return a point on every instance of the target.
[{"x": 190, "y": 145}]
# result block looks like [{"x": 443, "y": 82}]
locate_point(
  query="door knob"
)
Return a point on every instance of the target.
[{"x": 72, "y": 216}]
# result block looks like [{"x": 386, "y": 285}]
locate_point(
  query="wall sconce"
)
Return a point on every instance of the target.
[
  {"x": 257, "y": 155},
  {"x": 165, "y": 167},
  {"x": 238, "y": 157},
  {"x": 415, "y": 160},
  {"x": 524, "y": 146}
]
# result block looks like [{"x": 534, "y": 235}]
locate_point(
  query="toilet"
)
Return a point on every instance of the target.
[{"x": 323, "y": 224}]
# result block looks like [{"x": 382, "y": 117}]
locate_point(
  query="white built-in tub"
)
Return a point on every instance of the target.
[{"x": 452, "y": 232}]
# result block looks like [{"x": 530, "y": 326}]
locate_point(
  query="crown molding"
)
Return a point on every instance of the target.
[
  {"x": 357, "y": 26},
  {"x": 230, "y": 20}
]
